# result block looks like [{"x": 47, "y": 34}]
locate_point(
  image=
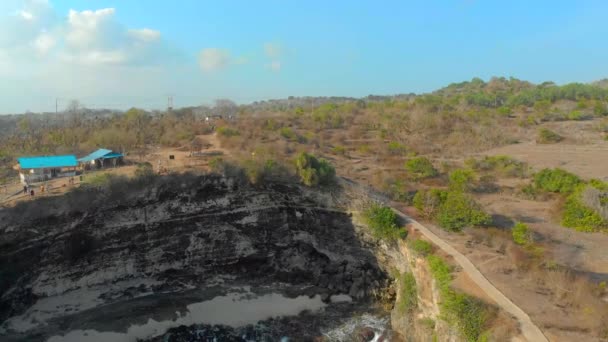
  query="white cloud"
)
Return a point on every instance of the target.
[
  {"x": 215, "y": 59},
  {"x": 274, "y": 66},
  {"x": 44, "y": 43},
  {"x": 26, "y": 15},
  {"x": 145, "y": 34}
]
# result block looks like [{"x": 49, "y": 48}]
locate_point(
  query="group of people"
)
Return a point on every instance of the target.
[{"x": 28, "y": 189}]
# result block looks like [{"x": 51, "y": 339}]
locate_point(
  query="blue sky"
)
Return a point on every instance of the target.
[{"x": 126, "y": 53}]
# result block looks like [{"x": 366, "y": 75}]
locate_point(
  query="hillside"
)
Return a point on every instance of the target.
[{"x": 508, "y": 173}]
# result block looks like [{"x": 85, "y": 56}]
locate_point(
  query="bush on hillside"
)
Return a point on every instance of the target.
[
  {"x": 313, "y": 171},
  {"x": 428, "y": 202},
  {"x": 547, "y": 136},
  {"x": 469, "y": 315},
  {"x": 396, "y": 148},
  {"x": 556, "y": 180},
  {"x": 576, "y": 115},
  {"x": 584, "y": 208},
  {"x": 462, "y": 180},
  {"x": 503, "y": 165},
  {"x": 521, "y": 234},
  {"x": 383, "y": 222},
  {"x": 227, "y": 131},
  {"x": 421, "y": 247},
  {"x": 460, "y": 211},
  {"x": 408, "y": 293},
  {"x": 288, "y": 133},
  {"x": 420, "y": 168}
]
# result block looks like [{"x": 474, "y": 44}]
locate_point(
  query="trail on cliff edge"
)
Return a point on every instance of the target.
[{"x": 530, "y": 330}]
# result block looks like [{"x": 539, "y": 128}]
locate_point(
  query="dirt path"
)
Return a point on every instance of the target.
[{"x": 529, "y": 330}]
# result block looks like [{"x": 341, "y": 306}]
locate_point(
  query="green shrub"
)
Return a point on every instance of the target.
[
  {"x": 420, "y": 168},
  {"x": 521, "y": 234},
  {"x": 421, "y": 247},
  {"x": 556, "y": 180},
  {"x": 227, "y": 131},
  {"x": 459, "y": 211},
  {"x": 461, "y": 180},
  {"x": 505, "y": 111},
  {"x": 441, "y": 271},
  {"x": 383, "y": 222},
  {"x": 271, "y": 125},
  {"x": 398, "y": 190},
  {"x": 313, "y": 171},
  {"x": 576, "y": 115},
  {"x": 547, "y": 136},
  {"x": 599, "y": 109},
  {"x": 468, "y": 314},
  {"x": 288, "y": 133},
  {"x": 396, "y": 148},
  {"x": 341, "y": 150},
  {"x": 580, "y": 217},
  {"x": 408, "y": 294},
  {"x": 503, "y": 165},
  {"x": 529, "y": 191},
  {"x": 428, "y": 202}
]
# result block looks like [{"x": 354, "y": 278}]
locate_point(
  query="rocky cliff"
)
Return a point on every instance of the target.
[{"x": 96, "y": 265}]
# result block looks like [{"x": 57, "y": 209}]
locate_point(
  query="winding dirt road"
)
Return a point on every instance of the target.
[{"x": 529, "y": 330}]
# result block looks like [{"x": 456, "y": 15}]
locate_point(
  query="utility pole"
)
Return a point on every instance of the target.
[
  {"x": 169, "y": 103},
  {"x": 56, "y": 106}
]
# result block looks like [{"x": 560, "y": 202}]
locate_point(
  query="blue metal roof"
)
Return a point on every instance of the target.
[
  {"x": 47, "y": 162},
  {"x": 112, "y": 155},
  {"x": 95, "y": 155}
]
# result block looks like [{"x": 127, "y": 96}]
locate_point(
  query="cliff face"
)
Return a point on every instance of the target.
[
  {"x": 207, "y": 232},
  {"x": 423, "y": 323}
]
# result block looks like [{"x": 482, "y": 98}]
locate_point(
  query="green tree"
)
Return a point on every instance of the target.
[
  {"x": 420, "y": 168},
  {"x": 383, "y": 222},
  {"x": 521, "y": 234},
  {"x": 462, "y": 180},
  {"x": 313, "y": 171},
  {"x": 460, "y": 211}
]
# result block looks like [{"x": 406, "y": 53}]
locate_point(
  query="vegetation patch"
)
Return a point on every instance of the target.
[
  {"x": 547, "y": 136},
  {"x": 396, "y": 148},
  {"x": 586, "y": 209},
  {"x": 227, "y": 131},
  {"x": 459, "y": 211},
  {"x": 421, "y": 247},
  {"x": 428, "y": 202},
  {"x": 556, "y": 180},
  {"x": 420, "y": 168},
  {"x": 453, "y": 210},
  {"x": 408, "y": 293},
  {"x": 462, "y": 180},
  {"x": 502, "y": 165},
  {"x": 467, "y": 314},
  {"x": 521, "y": 234},
  {"x": 383, "y": 222},
  {"x": 314, "y": 171}
]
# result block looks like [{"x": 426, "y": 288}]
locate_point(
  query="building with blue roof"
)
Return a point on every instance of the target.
[
  {"x": 43, "y": 168},
  {"x": 99, "y": 158}
]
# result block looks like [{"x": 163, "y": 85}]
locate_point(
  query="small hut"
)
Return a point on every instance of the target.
[
  {"x": 43, "y": 168},
  {"x": 101, "y": 158}
]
